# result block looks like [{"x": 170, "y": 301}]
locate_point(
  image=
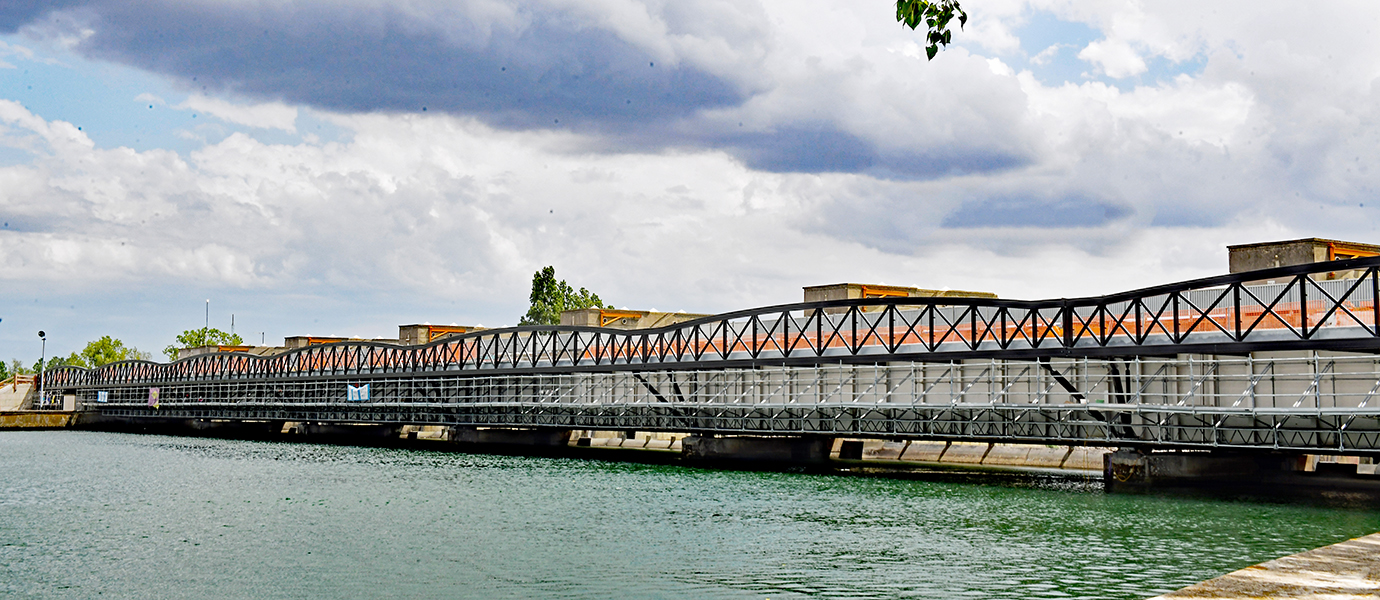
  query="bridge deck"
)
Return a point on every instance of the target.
[{"x": 1252, "y": 366}]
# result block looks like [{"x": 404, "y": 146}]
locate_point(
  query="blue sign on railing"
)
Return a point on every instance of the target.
[{"x": 357, "y": 393}]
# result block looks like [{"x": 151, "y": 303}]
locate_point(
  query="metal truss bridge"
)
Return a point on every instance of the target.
[{"x": 1280, "y": 359}]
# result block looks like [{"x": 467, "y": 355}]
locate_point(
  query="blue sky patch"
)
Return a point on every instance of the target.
[
  {"x": 118, "y": 106},
  {"x": 1050, "y": 47}
]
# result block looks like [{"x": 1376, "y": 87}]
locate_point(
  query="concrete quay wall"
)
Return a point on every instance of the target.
[{"x": 36, "y": 419}]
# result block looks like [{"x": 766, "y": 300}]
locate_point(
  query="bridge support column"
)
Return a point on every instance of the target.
[
  {"x": 757, "y": 449},
  {"x": 1134, "y": 471},
  {"x": 553, "y": 438}
]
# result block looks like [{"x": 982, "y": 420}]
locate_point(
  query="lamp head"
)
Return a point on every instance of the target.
[{"x": 42, "y": 335}]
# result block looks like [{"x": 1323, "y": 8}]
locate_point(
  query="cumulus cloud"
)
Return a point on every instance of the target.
[
  {"x": 1115, "y": 58},
  {"x": 443, "y": 206},
  {"x": 263, "y": 116}
]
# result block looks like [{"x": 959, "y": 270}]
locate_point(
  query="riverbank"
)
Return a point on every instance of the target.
[{"x": 1344, "y": 571}]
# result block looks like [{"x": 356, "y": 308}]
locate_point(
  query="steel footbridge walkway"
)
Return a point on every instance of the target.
[{"x": 1280, "y": 359}]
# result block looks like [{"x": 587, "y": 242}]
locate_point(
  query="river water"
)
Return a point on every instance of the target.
[{"x": 89, "y": 514}]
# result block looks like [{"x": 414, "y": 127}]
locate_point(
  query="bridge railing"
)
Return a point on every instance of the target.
[{"x": 1299, "y": 307}]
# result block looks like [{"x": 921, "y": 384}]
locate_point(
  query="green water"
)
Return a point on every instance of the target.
[{"x": 86, "y": 514}]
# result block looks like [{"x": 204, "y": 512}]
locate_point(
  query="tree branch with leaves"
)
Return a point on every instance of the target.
[{"x": 936, "y": 16}]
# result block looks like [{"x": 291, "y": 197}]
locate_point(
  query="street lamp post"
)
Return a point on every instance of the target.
[{"x": 42, "y": 367}]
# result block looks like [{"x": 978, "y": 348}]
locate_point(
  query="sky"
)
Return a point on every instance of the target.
[{"x": 339, "y": 168}]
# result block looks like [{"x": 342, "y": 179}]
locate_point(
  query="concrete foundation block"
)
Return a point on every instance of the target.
[
  {"x": 432, "y": 432},
  {"x": 757, "y": 449}
]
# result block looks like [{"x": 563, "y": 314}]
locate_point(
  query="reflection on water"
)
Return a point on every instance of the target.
[{"x": 85, "y": 514}]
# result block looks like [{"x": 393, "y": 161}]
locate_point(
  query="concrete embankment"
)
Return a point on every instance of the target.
[
  {"x": 35, "y": 419},
  {"x": 1345, "y": 571}
]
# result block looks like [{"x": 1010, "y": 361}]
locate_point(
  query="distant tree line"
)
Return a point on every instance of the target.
[
  {"x": 107, "y": 350},
  {"x": 549, "y": 298},
  {"x": 97, "y": 353}
]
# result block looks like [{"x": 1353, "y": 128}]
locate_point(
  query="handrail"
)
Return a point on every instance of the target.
[
  {"x": 14, "y": 380},
  {"x": 1224, "y": 314}
]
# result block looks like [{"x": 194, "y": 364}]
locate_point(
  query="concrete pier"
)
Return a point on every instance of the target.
[
  {"x": 806, "y": 450},
  {"x": 1346, "y": 571},
  {"x": 1236, "y": 473},
  {"x": 1130, "y": 470}
]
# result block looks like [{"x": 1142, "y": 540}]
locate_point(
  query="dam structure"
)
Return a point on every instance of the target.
[{"x": 1279, "y": 362}]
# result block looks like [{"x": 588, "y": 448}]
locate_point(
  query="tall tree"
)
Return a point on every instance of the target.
[
  {"x": 205, "y": 336},
  {"x": 936, "y": 15},
  {"x": 108, "y": 350},
  {"x": 549, "y": 297}
]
